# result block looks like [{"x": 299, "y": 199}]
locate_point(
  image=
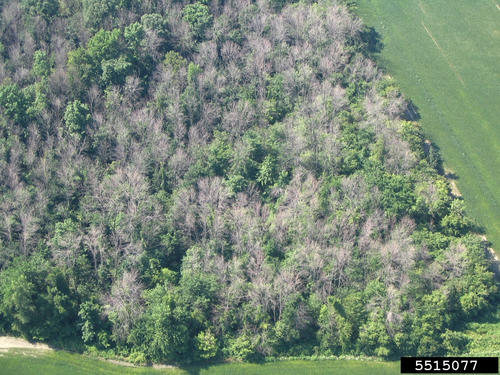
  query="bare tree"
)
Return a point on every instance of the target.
[
  {"x": 123, "y": 305},
  {"x": 93, "y": 241},
  {"x": 29, "y": 225}
]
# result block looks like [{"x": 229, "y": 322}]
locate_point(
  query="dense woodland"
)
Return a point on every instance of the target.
[{"x": 185, "y": 181}]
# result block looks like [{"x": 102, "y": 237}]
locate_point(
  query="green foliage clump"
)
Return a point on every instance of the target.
[
  {"x": 278, "y": 103},
  {"x": 92, "y": 325},
  {"x": 36, "y": 300},
  {"x": 14, "y": 103},
  {"x": 48, "y": 9},
  {"x": 134, "y": 35},
  {"x": 454, "y": 342},
  {"x": 156, "y": 23},
  {"x": 242, "y": 348},
  {"x": 411, "y": 133},
  {"x": 174, "y": 60},
  {"x": 207, "y": 344},
  {"x": 164, "y": 334},
  {"x": 97, "y": 12},
  {"x": 42, "y": 65},
  {"x": 102, "y": 49},
  {"x": 456, "y": 223},
  {"x": 77, "y": 117},
  {"x": 199, "y": 18},
  {"x": 110, "y": 56}
]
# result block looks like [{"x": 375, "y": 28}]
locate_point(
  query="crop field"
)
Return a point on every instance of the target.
[
  {"x": 30, "y": 362},
  {"x": 445, "y": 55}
]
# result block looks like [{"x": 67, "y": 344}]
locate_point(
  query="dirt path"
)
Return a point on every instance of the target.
[
  {"x": 422, "y": 8},
  {"x": 9, "y": 342}
]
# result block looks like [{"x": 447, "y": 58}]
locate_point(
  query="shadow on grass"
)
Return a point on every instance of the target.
[
  {"x": 451, "y": 176},
  {"x": 490, "y": 317},
  {"x": 411, "y": 113},
  {"x": 72, "y": 346},
  {"x": 372, "y": 40},
  {"x": 196, "y": 368}
]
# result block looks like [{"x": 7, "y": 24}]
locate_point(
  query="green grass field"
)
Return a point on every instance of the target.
[
  {"x": 445, "y": 55},
  {"x": 31, "y": 362}
]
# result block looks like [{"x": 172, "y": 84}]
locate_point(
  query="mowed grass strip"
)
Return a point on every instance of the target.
[
  {"x": 445, "y": 56},
  {"x": 30, "y": 362}
]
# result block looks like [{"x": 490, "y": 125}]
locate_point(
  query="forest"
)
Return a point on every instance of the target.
[{"x": 187, "y": 181}]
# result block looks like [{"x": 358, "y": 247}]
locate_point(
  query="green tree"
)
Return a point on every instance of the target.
[
  {"x": 95, "y": 12},
  {"x": 456, "y": 223},
  {"x": 134, "y": 35},
  {"x": 198, "y": 288},
  {"x": 207, "y": 344},
  {"x": 433, "y": 317},
  {"x": 174, "y": 60},
  {"x": 397, "y": 195},
  {"x": 154, "y": 22},
  {"x": 14, "y": 103},
  {"x": 77, "y": 117},
  {"x": 243, "y": 348},
  {"x": 81, "y": 67},
  {"x": 374, "y": 339},
  {"x": 190, "y": 98},
  {"x": 104, "y": 45},
  {"x": 115, "y": 71},
  {"x": 278, "y": 103},
  {"x": 338, "y": 326},
  {"x": 199, "y": 18},
  {"x": 164, "y": 334},
  {"x": 267, "y": 172},
  {"x": 477, "y": 290},
  {"x": 355, "y": 147},
  {"x": 292, "y": 332},
  {"x": 48, "y": 9},
  {"x": 92, "y": 324},
  {"x": 278, "y": 4},
  {"x": 220, "y": 154},
  {"x": 36, "y": 300},
  {"x": 42, "y": 65},
  {"x": 412, "y": 133},
  {"x": 100, "y": 62}
]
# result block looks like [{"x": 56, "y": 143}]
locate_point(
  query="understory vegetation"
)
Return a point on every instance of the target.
[{"x": 188, "y": 181}]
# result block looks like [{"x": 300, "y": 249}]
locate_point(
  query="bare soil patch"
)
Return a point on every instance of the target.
[
  {"x": 121, "y": 363},
  {"x": 9, "y": 342},
  {"x": 159, "y": 367}
]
